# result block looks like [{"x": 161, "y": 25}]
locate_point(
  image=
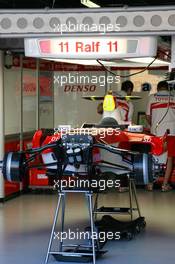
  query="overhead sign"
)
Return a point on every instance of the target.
[{"x": 91, "y": 47}]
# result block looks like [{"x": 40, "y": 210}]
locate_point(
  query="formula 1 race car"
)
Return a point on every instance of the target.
[{"x": 116, "y": 150}]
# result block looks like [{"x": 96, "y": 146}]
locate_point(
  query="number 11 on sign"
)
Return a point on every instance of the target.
[
  {"x": 64, "y": 46},
  {"x": 112, "y": 46}
]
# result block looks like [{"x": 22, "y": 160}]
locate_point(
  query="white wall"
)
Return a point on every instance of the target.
[
  {"x": 46, "y": 100},
  {"x": 12, "y": 105},
  {"x": 29, "y": 100},
  {"x": 12, "y": 100}
]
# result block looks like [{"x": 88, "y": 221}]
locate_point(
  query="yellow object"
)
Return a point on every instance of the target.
[{"x": 109, "y": 103}]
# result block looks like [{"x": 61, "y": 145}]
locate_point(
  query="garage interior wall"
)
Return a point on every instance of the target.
[
  {"x": 58, "y": 104},
  {"x": 32, "y": 101}
]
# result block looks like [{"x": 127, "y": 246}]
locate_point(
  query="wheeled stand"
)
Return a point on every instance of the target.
[
  {"x": 127, "y": 229},
  {"x": 121, "y": 210},
  {"x": 74, "y": 252}
]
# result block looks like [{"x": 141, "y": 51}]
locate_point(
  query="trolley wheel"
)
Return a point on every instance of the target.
[
  {"x": 143, "y": 225},
  {"x": 129, "y": 236},
  {"x": 138, "y": 228}
]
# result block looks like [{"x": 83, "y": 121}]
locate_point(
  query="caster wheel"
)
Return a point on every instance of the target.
[
  {"x": 138, "y": 229},
  {"x": 143, "y": 225},
  {"x": 129, "y": 236}
]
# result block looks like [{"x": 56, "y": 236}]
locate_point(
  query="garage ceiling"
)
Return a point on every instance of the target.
[{"x": 77, "y": 3}]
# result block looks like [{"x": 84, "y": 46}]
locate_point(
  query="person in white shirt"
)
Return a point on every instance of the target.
[{"x": 161, "y": 117}]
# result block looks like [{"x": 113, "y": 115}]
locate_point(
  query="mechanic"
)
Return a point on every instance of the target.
[
  {"x": 122, "y": 112},
  {"x": 161, "y": 117},
  {"x": 125, "y": 106}
]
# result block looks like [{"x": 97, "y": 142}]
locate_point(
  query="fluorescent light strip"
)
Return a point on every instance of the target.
[
  {"x": 89, "y": 3},
  {"x": 83, "y": 62},
  {"x": 148, "y": 60},
  {"x": 123, "y": 63}
]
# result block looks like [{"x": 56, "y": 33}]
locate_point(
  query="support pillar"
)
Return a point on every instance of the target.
[{"x": 1, "y": 123}]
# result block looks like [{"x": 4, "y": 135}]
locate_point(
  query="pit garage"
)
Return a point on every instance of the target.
[{"x": 74, "y": 186}]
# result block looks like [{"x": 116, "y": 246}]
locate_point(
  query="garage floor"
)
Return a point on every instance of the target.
[{"x": 25, "y": 224}]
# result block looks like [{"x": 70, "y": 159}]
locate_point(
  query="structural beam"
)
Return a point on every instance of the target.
[
  {"x": 1, "y": 124},
  {"x": 139, "y": 21}
]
